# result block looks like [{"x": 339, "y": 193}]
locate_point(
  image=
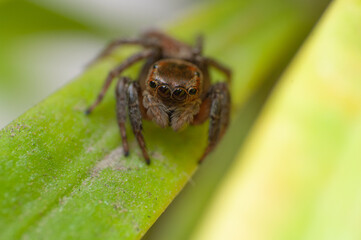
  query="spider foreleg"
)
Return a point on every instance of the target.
[{"x": 218, "y": 115}]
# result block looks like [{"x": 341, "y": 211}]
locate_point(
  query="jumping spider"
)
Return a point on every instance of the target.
[{"x": 173, "y": 89}]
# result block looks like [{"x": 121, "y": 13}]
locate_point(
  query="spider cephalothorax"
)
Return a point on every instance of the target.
[
  {"x": 175, "y": 81},
  {"x": 172, "y": 92},
  {"x": 173, "y": 89}
]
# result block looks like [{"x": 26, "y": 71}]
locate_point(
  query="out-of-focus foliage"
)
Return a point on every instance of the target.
[
  {"x": 298, "y": 174},
  {"x": 21, "y": 23}
]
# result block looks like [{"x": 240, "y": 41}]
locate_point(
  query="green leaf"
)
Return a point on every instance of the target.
[
  {"x": 297, "y": 176},
  {"x": 63, "y": 175}
]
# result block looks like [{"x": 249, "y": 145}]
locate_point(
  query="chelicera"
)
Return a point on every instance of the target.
[{"x": 173, "y": 89}]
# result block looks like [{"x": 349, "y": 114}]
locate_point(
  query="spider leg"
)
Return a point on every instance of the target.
[
  {"x": 122, "y": 102},
  {"x": 136, "y": 117},
  {"x": 118, "y": 42},
  {"x": 220, "y": 67},
  {"x": 198, "y": 47},
  {"x": 127, "y": 96},
  {"x": 218, "y": 116},
  {"x": 116, "y": 71}
]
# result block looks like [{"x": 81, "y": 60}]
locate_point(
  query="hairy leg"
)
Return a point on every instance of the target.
[
  {"x": 198, "y": 48},
  {"x": 122, "y": 102},
  {"x": 127, "y": 96},
  {"x": 124, "y": 41},
  {"x": 185, "y": 115},
  {"x": 136, "y": 117},
  {"x": 116, "y": 71},
  {"x": 156, "y": 111},
  {"x": 218, "y": 116},
  {"x": 220, "y": 67}
]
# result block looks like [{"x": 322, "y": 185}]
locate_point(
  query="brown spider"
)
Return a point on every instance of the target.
[{"x": 173, "y": 89}]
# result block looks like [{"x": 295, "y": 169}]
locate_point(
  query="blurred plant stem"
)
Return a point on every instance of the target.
[{"x": 298, "y": 175}]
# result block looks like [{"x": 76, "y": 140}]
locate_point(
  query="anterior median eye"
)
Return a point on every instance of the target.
[
  {"x": 152, "y": 84},
  {"x": 192, "y": 91},
  {"x": 164, "y": 91},
  {"x": 179, "y": 94}
]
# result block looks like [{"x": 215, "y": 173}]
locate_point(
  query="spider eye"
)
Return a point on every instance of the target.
[
  {"x": 164, "y": 91},
  {"x": 192, "y": 91},
  {"x": 179, "y": 94},
  {"x": 197, "y": 74},
  {"x": 155, "y": 66},
  {"x": 152, "y": 84}
]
